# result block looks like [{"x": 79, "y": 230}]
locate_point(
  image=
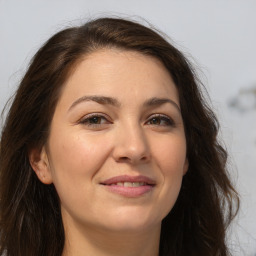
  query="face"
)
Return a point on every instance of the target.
[{"x": 117, "y": 149}]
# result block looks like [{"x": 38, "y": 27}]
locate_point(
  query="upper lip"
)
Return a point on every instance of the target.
[{"x": 128, "y": 178}]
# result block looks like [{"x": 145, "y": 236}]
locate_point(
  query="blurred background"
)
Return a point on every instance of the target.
[{"x": 219, "y": 37}]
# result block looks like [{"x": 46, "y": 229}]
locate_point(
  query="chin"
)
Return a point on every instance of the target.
[{"x": 132, "y": 221}]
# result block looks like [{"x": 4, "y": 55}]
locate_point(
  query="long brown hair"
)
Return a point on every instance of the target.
[{"x": 30, "y": 218}]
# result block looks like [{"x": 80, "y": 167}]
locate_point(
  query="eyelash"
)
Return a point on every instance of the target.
[
  {"x": 88, "y": 120},
  {"x": 160, "y": 117}
]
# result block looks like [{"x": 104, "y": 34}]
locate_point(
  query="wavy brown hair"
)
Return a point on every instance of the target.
[{"x": 30, "y": 217}]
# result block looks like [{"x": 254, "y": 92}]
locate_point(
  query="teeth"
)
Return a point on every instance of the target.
[
  {"x": 130, "y": 184},
  {"x": 127, "y": 184},
  {"x": 137, "y": 184}
]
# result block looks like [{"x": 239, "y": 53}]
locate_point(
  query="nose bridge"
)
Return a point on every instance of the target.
[{"x": 132, "y": 144}]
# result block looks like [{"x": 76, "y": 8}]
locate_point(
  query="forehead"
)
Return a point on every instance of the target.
[{"x": 121, "y": 74}]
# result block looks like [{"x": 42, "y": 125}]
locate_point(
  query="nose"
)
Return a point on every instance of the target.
[{"x": 131, "y": 145}]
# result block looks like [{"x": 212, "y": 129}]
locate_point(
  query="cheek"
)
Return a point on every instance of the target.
[
  {"x": 75, "y": 160},
  {"x": 171, "y": 155},
  {"x": 74, "y": 157},
  {"x": 171, "y": 159}
]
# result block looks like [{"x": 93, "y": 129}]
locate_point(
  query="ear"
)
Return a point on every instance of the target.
[
  {"x": 185, "y": 167},
  {"x": 39, "y": 162}
]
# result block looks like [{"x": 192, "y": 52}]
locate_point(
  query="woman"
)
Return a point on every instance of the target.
[{"x": 110, "y": 149}]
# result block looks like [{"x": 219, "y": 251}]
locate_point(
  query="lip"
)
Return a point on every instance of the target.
[
  {"x": 112, "y": 186},
  {"x": 128, "y": 178}
]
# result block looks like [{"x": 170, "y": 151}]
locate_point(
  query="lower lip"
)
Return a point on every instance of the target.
[{"x": 129, "y": 191}]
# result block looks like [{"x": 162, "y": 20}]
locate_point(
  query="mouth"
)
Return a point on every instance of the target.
[
  {"x": 129, "y": 186},
  {"x": 129, "y": 181}
]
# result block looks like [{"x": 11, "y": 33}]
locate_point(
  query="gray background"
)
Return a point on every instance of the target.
[{"x": 221, "y": 37}]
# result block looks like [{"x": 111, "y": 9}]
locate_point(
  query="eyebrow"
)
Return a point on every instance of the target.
[
  {"x": 99, "y": 99},
  {"x": 160, "y": 101},
  {"x": 104, "y": 100}
]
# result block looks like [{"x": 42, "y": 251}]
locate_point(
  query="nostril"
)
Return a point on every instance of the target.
[
  {"x": 132, "y": 159},
  {"x": 132, "y": 150},
  {"x": 123, "y": 159}
]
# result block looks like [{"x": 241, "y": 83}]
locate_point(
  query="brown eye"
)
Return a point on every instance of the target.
[
  {"x": 94, "y": 120},
  {"x": 161, "y": 120},
  {"x": 155, "y": 121}
]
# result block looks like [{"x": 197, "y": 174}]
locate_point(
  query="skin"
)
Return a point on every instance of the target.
[{"x": 127, "y": 138}]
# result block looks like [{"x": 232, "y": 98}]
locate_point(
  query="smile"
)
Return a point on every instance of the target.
[{"x": 129, "y": 186}]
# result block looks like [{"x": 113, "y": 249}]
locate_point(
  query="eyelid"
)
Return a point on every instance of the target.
[
  {"x": 163, "y": 117},
  {"x": 86, "y": 118}
]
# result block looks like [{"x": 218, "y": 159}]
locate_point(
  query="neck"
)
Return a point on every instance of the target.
[{"x": 91, "y": 241}]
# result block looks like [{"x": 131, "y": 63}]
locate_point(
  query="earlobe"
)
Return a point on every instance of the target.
[
  {"x": 40, "y": 164},
  {"x": 185, "y": 167}
]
